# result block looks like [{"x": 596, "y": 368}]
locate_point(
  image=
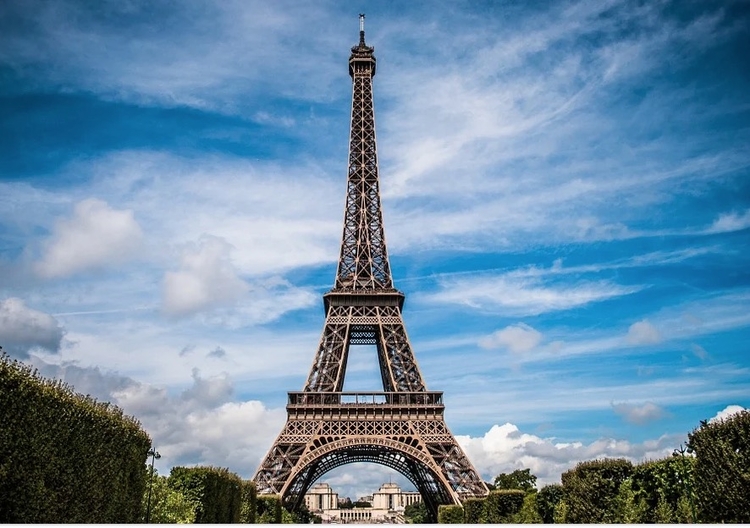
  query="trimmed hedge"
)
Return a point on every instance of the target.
[
  {"x": 547, "y": 500},
  {"x": 501, "y": 505},
  {"x": 249, "y": 502},
  {"x": 64, "y": 457},
  {"x": 450, "y": 514},
  {"x": 660, "y": 484},
  {"x": 590, "y": 490},
  {"x": 216, "y": 492},
  {"x": 268, "y": 509},
  {"x": 473, "y": 510},
  {"x": 722, "y": 469}
]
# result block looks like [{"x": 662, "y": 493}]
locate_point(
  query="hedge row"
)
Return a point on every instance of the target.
[
  {"x": 722, "y": 469},
  {"x": 268, "y": 509},
  {"x": 64, "y": 457},
  {"x": 216, "y": 493},
  {"x": 500, "y": 506}
]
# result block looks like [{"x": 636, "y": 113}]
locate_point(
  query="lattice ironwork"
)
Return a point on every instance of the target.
[{"x": 403, "y": 426}]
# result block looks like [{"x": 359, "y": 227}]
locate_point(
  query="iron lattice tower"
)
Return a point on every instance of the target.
[{"x": 403, "y": 426}]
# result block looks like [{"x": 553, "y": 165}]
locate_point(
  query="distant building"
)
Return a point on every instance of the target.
[
  {"x": 388, "y": 504},
  {"x": 321, "y": 498}
]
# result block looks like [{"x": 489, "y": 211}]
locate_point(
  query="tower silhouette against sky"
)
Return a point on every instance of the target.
[{"x": 403, "y": 426}]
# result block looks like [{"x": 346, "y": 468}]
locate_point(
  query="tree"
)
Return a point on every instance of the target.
[
  {"x": 168, "y": 506},
  {"x": 529, "y": 513},
  {"x": 546, "y": 501},
  {"x": 722, "y": 474},
  {"x": 590, "y": 490},
  {"x": 416, "y": 513},
  {"x": 631, "y": 509},
  {"x": 519, "y": 479}
]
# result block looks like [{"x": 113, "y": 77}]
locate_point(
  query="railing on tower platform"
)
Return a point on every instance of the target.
[{"x": 431, "y": 398}]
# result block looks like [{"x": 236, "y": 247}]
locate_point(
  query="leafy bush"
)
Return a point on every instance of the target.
[
  {"x": 249, "y": 502},
  {"x": 659, "y": 485},
  {"x": 215, "y": 492},
  {"x": 167, "y": 505},
  {"x": 268, "y": 509},
  {"x": 501, "y": 505},
  {"x": 416, "y": 513},
  {"x": 722, "y": 469},
  {"x": 528, "y": 513},
  {"x": 473, "y": 510},
  {"x": 546, "y": 501},
  {"x": 450, "y": 514},
  {"x": 630, "y": 509},
  {"x": 590, "y": 490},
  {"x": 64, "y": 457}
]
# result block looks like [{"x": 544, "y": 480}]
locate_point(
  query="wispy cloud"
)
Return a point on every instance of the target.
[{"x": 518, "y": 296}]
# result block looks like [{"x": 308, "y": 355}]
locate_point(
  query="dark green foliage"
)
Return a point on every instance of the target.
[
  {"x": 473, "y": 510},
  {"x": 660, "y": 484},
  {"x": 216, "y": 492},
  {"x": 64, "y": 457},
  {"x": 450, "y": 514},
  {"x": 501, "y": 505},
  {"x": 546, "y": 501},
  {"x": 590, "y": 490},
  {"x": 519, "y": 479},
  {"x": 416, "y": 513},
  {"x": 268, "y": 510},
  {"x": 722, "y": 469},
  {"x": 249, "y": 502}
]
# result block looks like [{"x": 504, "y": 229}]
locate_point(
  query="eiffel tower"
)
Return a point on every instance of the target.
[{"x": 403, "y": 426}]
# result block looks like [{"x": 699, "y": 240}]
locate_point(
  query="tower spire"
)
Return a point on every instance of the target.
[{"x": 362, "y": 30}]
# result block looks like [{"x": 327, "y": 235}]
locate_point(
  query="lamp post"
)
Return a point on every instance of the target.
[{"x": 153, "y": 454}]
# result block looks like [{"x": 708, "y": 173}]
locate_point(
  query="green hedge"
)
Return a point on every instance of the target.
[
  {"x": 268, "y": 509},
  {"x": 249, "y": 502},
  {"x": 216, "y": 492},
  {"x": 473, "y": 510},
  {"x": 64, "y": 457},
  {"x": 591, "y": 489},
  {"x": 547, "y": 500},
  {"x": 450, "y": 514},
  {"x": 501, "y": 505},
  {"x": 722, "y": 469}
]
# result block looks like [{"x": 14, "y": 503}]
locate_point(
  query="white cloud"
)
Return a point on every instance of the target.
[
  {"x": 23, "y": 329},
  {"x": 201, "y": 425},
  {"x": 639, "y": 414},
  {"x": 95, "y": 236},
  {"x": 643, "y": 333},
  {"x": 514, "y": 295},
  {"x": 728, "y": 411},
  {"x": 730, "y": 222},
  {"x": 516, "y": 338},
  {"x": 207, "y": 279},
  {"x": 505, "y": 448},
  {"x": 699, "y": 351}
]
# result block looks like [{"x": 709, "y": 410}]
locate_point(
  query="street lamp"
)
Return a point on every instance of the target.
[{"x": 153, "y": 454}]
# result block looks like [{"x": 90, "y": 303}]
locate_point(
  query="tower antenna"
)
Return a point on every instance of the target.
[{"x": 361, "y": 29}]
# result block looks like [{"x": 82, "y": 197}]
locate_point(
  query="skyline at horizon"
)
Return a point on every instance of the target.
[{"x": 566, "y": 200}]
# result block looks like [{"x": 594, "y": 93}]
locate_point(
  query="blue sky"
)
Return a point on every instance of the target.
[{"x": 566, "y": 193}]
